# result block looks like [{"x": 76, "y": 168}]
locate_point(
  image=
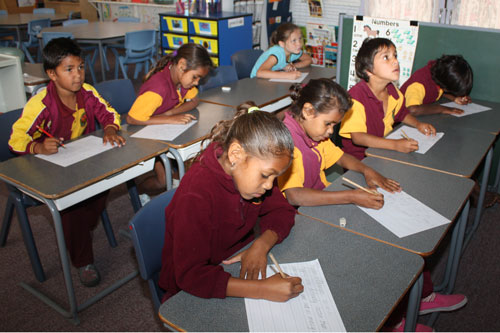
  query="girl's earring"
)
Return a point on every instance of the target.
[{"x": 233, "y": 164}]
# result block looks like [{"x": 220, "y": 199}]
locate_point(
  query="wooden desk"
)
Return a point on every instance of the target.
[
  {"x": 271, "y": 95},
  {"x": 352, "y": 266},
  {"x": 100, "y": 33},
  {"x": 60, "y": 187},
  {"x": 188, "y": 144},
  {"x": 487, "y": 121},
  {"x": 458, "y": 153},
  {"x": 34, "y": 77},
  {"x": 19, "y": 21}
]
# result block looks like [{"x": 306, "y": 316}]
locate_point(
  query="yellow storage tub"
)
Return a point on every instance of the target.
[
  {"x": 205, "y": 27},
  {"x": 174, "y": 41},
  {"x": 174, "y": 24},
  {"x": 211, "y": 45},
  {"x": 215, "y": 61}
]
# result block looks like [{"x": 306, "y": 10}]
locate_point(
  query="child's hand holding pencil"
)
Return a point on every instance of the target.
[{"x": 50, "y": 145}]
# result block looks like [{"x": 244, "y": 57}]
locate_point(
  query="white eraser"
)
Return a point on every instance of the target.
[
  {"x": 342, "y": 222},
  {"x": 226, "y": 89}
]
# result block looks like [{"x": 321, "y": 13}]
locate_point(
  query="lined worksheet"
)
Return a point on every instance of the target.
[
  {"x": 298, "y": 80},
  {"x": 425, "y": 142},
  {"x": 469, "y": 109},
  {"x": 77, "y": 151},
  {"x": 403, "y": 215},
  {"x": 167, "y": 132},
  {"x": 314, "y": 310}
]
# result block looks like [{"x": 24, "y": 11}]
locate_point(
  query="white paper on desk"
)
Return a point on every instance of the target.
[
  {"x": 469, "y": 109},
  {"x": 300, "y": 79},
  {"x": 166, "y": 132},
  {"x": 313, "y": 310},
  {"x": 77, "y": 151},
  {"x": 403, "y": 215},
  {"x": 425, "y": 142}
]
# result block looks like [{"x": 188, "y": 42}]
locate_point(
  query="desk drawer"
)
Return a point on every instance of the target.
[
  {"x": 211, "y": 45},
  {"x": 203, "y": 27},
  {"x": 173, "y": 41},
  {"x": 174, "y": 24}
]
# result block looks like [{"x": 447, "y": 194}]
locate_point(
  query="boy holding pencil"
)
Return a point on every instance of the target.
[
  {"x": 377, "y": 103},
  {"x": 67, "y": 109}
]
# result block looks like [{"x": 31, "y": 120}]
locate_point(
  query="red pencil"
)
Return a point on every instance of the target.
[{"x": 49, "y": 135}]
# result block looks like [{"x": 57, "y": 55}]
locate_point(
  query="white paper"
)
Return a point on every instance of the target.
[
  {"x": 425, "y": 142},
  {"x": 77, "y": 151},
  {"x": 166, "y": 132},
  {"x": 469, "y": 109},
  {"x": 300, "y": 79},
  {"x": 313, "y": 310},
  {"x": 403, "y": 215}
]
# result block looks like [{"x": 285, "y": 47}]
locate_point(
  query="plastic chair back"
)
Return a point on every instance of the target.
[
  {"x": 244, "y": 60},
  {"x": 13, "y": 51},
  {"x": 3, "y": 12},
  {"x": 44, "y": 11},
  {"x": 140, "y": 45},
  {"x": 218, "y": 77},
  {"x": 34, "y": 28},
  {"x": 6, "y": 121},
  {"x": 147, "y": 228},
  {"x": 49, "y": 35},
  {"x": 119, "y": 93},
  {"x": 128, "y": 19},
  {"x": 75, "y": 21}
]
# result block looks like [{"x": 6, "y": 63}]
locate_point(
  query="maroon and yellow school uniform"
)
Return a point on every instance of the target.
[
  {"x": 367, "y": 116},
  {"x": 158, "y": 95},
  {"x": 420, "y": 88}
]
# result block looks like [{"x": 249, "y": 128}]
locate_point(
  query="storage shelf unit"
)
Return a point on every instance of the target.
[
  {"x": 12, "y": 95},
  {"x": 221, "y": 34}
]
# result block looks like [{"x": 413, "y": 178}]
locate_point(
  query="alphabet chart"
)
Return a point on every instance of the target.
[{"x": 404, "y": 34}]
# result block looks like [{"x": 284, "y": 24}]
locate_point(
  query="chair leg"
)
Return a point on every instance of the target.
[
  {"x": 124, "y": 69},
  {"x": 91, "y": 68},
  {"x": 108, "y": 229},
  {"x": 29, "y": 241},
  {"x": 28, "y": 55},
  {"x": 117, "y": 61},
  {"x": 137, "y": 69},
  {"x": 134, "y": 195},
  {"x": 7, "y": 219}
]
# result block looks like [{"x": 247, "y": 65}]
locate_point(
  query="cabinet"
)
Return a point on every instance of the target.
[
  {"x": 221, "y": 34},
  {"x": 12, "y": 95}
]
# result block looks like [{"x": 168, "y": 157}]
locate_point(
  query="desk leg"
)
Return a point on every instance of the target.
[
  {"x": 414, "y": 304},
  {"x": 66, "y": 270},
  {"x": 101, "y": 57},
  {"x": 168, "y": 171},
  {"x": 482, "y": 193},
  {"x": 180, "y": 161},
  {"x": 19, "y": 40}
]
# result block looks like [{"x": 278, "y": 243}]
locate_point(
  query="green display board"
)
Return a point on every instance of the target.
[{"x": 480, "y": 47}]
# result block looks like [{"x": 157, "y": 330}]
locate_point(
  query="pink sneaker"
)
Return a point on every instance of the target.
[
  {"x": 438, "y": 302},
  {"x": 419, "y": 328}
]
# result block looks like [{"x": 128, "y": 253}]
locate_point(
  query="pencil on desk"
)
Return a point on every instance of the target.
[
  {"x": 359, "y": 186},
  {"x": 277, "y": 265},
  {"x": 405, "y": 135},
  {"x": 49, "y": 135}
]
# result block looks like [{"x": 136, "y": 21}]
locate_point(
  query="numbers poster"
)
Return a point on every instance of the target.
[{"x": 404, "y": 34}]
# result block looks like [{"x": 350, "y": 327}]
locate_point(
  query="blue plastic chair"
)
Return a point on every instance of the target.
[
  {"x": 219, "y": 76},
  {"x": 44, "y": 11},
  {"x": 119, "y": 93},
  {"x": 140, "y": 49},
  {"x": 20, "y": 202},
  {"x": 119, "y": 45},
  {"x": 34, "y": 28},
  {"x": 147, "y": 229},
  {"x": 244, "y": 60},
  {"x": 47, "y": 36}
]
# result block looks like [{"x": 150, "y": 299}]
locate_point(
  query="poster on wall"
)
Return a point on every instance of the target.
[
  {"x": 319, "y": 37},
  {"x": 315, "y": 8},
  {"x": 404, "y": 34}
]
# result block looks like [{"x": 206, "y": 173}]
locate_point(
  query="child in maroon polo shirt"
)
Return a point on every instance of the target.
[{"x": 377, "y": 103}]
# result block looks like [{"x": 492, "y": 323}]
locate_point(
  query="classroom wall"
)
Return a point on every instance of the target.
[{"x": 331, "y": 11}]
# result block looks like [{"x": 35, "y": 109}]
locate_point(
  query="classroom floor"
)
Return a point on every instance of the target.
[{"x": 130, "y": 308}]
